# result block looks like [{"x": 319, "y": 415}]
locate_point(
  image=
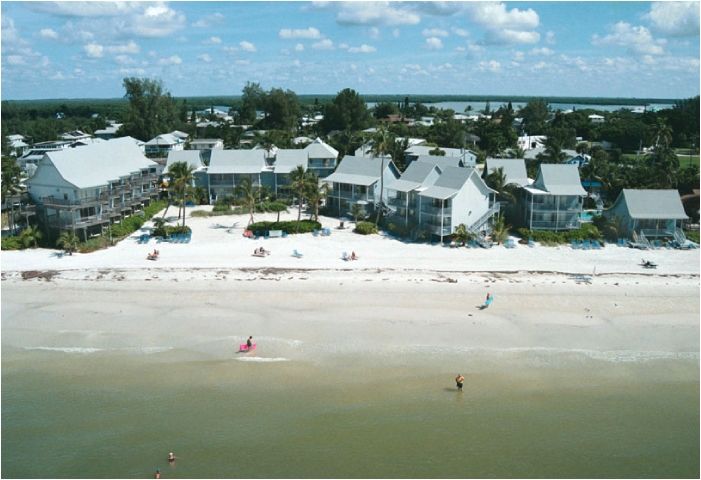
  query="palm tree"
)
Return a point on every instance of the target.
[
  {"x": 663, "y": 134},
  {"x": 357, "y": 211},
  {"x": 553, "y": 151},
  {"x": 382, "y": 145},
  {"x": 12, "y": 181},
  {"x": 249, "y": 196},
  {"x": 181, "y": 179},
  {"x": 315, "y": 194},
  {"x": 461, "y": 234},
  {"x": 299, "y": 183},
  {"x": 500, "y": 230},
  {"x": 30, "y": 236},
  {"x": 68, "y": 241},
  {"x": 496, "y": 180}
]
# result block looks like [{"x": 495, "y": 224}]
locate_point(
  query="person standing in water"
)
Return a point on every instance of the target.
[
  {"x": 459, "y": 380},
  {"x": 171, "y": 457}
]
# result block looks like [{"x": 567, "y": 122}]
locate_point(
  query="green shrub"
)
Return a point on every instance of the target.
[
  {"x": 305, "y": 226},
  {"x": 12, "y": 243},
  {"x": 365, "y": 228},
  {"x": 399, "y": 230},
  {"x": 221, "y": 207},
  {"x": 94, "y": 244},
  {"x": 200, "y": 213},
  {"x": 588, "y": 231},
  {"x": 692, "y": 235}
]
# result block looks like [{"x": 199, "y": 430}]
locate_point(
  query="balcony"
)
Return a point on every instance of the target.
[
  {"x": 436, "y": 211},
  {"x": 81, "y": 202},
  {"x": 352, "y": 196}
]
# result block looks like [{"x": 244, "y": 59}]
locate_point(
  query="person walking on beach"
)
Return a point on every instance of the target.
[{"x": 459, "y": 380}]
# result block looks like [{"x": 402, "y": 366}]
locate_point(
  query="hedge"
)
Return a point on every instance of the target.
[
  {"x": 365, "y": 228},
  {"x": 305, "y": 226},
  {"x": 12, "y": 243},
  {"x": 586, "y": 232}
]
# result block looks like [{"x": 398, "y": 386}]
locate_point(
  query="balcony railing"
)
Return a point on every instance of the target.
[
  {"x": 430, "y": 210},
  {"x": 347, "y": 195}
]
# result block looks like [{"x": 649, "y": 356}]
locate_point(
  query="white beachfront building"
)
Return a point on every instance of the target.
[
  {"x": 403, "y": 194},
  {"x": 458, "y": 196},
  {"x": 514, "y": 170},
  {"x": 287, "y": 160},
  {"x": 648, "y": 213},
  {"x": 358, "y": 180},
  {"x": 90, "y": 187},
  {"x": 321, "y": 158},
  {"x": 160, "y": 145},
  {"x": 554, "y": 200},
  {"x": 228, "y": 168}
]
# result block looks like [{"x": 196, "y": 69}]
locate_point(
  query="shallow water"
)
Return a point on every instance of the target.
[{"x": 523, "y": 414}]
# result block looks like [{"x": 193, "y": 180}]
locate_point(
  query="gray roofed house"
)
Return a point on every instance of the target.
[
  {"x": 654, "y": 213},
  {"x": 414, "y": 176},
  {"x": 84, "y": 188},
  {"x": 357, "y": 180},
  {"x": 402, "y": 195},
  {"x": 440, "y": 162},
  {"x": 458, "y": 196},
  {"x": 228, "y": 168},
  {"x": 322, "y": 157},
  {"x": 287, "y": 160},
  {"x": 160, "y": 145},
  {"x": 514, "y": 170},
  {"x": 554, "y": 200},
  {"x": 191, "y": 157},
  {"x": 237, "y": 161}
]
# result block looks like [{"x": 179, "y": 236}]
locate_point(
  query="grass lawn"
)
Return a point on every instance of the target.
[{"x": 684, "y": 158}]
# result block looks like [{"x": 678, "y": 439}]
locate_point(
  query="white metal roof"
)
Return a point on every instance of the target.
[
  {"x": 287, "y": 160},
  {"x": 653, "y": 204},
  {"x": 320, "y": 149},
  {"x": 237, "y": 161},
  {"x": 191, "y": 157},
  {"x": 98, "y": 164},
  {"x": 559, "y": 179}
]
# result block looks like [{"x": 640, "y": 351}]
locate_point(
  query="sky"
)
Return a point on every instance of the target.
[{"x": 584, "y": 49}]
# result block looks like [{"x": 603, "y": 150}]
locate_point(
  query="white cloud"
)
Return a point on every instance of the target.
[
  {"x": 48, "y": 33},
  {"x": 519, "y": 56},
  {"x": 637, "y": 40},
  {"x": 491, "y": 66},
  {"x": 15, "y": 60},
  {"x": 204, "y": 58},
  {"x": 93, "y": 50},
  {"x": 376, "y": 13},
  {"x": 434, "y": 32},
  {"x": 88, "y": 9},
  {"x": 374, "y": 33},
  {"x": 123, "y": 59},
  {"x": 343, "y": 46},
  {"x": 505, "y": 26},
  {"x": 324, "y": 44},
  {"x": 57, "y": 76},
  {"x": 307, "y": 33},
  {"x": 364, "y": 48},
  {"x": 542, "y": 51},
  {"x": 434, "y": 43},
  {"x": 460, "y": 49},
  {"x": 540, "y": 65},
  {"x": 130, "y": 47},
  {"x": 212, "y": 41},
  {"x": 247, "y": 46},
  {"x": 296, "y": 63},
  {"x": 507, "y": 36},
  {"x": 132, "y": 71},
  {"x": 460, "y": 32},
  {"x": 157, "y": 20},
  {"x": 414, "y": 69},
  {"x": 242, "y": 62},
  {"x": 674, "y": 18},
  {"x": 299, "y": 47},
  {"x": 209, "y": 20},
  {"x": 550, "y": 38},
  {"x": 172, "y": 60}
]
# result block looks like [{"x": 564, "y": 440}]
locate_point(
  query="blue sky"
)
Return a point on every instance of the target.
[{"x": 610, "y": 49}]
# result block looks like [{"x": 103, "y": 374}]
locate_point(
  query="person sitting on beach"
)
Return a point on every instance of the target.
[
  {"x": 353, "y": 256},
  {"x": 249, "y": 342},
  {"x": 459, "y": 380}
]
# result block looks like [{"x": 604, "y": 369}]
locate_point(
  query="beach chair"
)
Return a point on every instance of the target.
[
  {"x": 315, "y": 233},
  {"x": 575, "y": 244},
  {"x": 586, "y": 244},
  {"x": 284, "y": 234},
  {"x": 345, "y": 257},
  {"x": 296, "y": 254}
]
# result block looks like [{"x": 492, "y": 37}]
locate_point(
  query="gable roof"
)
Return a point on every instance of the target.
[
  {"x": 191, "y": 157},
  {"x": 414, "y": 176},
  {"x": 514, "y": 169},
  {"x": 99, "y": 163},
  {"x": 449, "y": 183},
  {"x": 362, "y": 171},
  {"x": 439, "y": 161},
  {"x": 237, "y": 161},
  {"x": 164, "y": 139},
  {"x": 320, "y": 149},
  {"x": 559, "y": 179},
  {"x": 652, "y": 204},
  {"x": 423, "y": 150},
  {"x": 287, "y": 160}
]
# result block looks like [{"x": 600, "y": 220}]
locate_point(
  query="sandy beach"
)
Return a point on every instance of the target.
[{"x": 585, "y": 341}]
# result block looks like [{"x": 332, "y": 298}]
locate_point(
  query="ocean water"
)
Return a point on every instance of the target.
[{"x": 71, "y": 412}]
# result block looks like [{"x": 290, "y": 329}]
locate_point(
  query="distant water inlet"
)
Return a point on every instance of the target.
[{"x": 119, "y": 414}]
